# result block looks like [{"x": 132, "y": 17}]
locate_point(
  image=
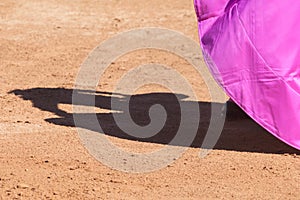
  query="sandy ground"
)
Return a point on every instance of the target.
[{"x": 43, "y": 44}]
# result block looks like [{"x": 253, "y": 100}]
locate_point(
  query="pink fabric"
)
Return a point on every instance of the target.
[{"x": 252, "y": 48}]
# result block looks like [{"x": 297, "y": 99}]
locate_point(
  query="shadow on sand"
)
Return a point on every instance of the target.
[{"x": 239, "y": 134}]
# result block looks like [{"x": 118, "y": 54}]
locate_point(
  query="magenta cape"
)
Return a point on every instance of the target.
[{"x": 252, "y": 48}]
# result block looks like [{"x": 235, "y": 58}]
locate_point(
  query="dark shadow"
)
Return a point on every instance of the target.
[{"x": 239, "y": 134}]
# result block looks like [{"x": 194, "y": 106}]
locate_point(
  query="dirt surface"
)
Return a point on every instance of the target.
[{"x": 43, "y": 44}]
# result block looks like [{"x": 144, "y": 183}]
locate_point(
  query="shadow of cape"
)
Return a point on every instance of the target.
[{"x": 237, "y": 135}]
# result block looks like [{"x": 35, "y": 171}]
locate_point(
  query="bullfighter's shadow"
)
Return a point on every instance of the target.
[{"x": 239, "y": 133}]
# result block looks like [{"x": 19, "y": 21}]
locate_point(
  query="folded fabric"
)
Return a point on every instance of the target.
[{"x": 252, "y": 48}]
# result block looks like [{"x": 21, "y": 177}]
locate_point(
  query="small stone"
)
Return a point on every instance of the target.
[
  {"x": 295, "y": 155},
  {"x": 117, "y": 20},
  {"x": 22, "y": 186},
  {"x": 73, "y": 168}
]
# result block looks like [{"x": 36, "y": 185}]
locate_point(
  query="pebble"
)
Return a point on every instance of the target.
[{"x": 22, "y": 186}]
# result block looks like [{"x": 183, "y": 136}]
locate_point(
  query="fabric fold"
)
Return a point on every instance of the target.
[{"x": 253, "y": 51}]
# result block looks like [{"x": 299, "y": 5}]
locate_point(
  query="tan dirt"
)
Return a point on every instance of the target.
[{"x": 43, "y": 44}]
